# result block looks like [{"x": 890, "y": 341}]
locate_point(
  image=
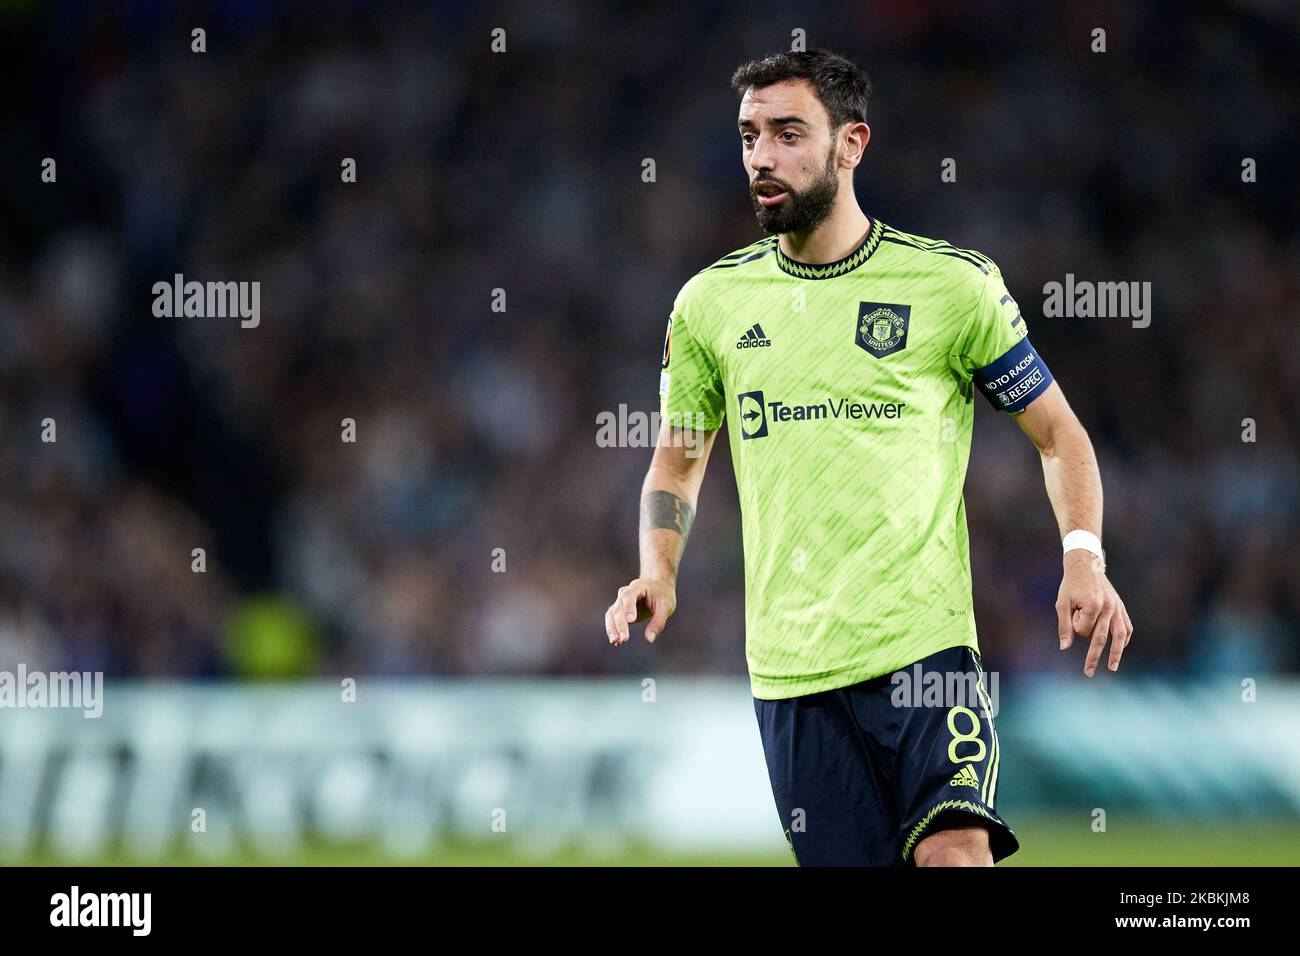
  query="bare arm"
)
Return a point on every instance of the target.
[
  {"x": 1069, "y": 466},
  {"x": 668, "y": 499},
  {"x": 1087, "y": 604}
]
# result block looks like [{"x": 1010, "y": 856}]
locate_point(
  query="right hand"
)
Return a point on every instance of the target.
[{"x": 640, "y": 599}]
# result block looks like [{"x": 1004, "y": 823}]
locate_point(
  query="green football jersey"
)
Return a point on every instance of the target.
[{"x": 850, "y": 389}]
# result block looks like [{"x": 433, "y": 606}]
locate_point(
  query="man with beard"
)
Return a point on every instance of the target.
[{"x": 846, "y": 354}]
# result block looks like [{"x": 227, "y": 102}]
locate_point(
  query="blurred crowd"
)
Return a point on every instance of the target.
[{"x": 177, "y": 497}]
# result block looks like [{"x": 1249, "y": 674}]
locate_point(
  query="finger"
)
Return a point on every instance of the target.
[
  {"x": 1087, "y": 616},
  {"x": 656, "y": 624},
  {"x": 620, "y": 613},
  {"x": 611, "y": 624},
  {"x": 1118, "y": 641},
  {"x": 628, "y": 596},
  {"x": 1098, "y": 644},
  {"x": 1123, "y": 634},
  {"x": 1063, "y": 629}
]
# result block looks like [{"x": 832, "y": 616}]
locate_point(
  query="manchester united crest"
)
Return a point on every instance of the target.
[{"x": 882, "y": 327}]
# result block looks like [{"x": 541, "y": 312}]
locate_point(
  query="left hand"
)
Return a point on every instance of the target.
[{"x": 1088, "y": 605}]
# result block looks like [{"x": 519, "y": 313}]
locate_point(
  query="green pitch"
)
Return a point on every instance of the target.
[{"x": 1044, "y": 841}]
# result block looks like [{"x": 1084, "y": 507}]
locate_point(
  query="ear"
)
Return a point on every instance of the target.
[{"x": 856, "y": 137}]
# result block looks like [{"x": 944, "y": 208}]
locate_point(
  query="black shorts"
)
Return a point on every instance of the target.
[{"x": 862, "y": 774}]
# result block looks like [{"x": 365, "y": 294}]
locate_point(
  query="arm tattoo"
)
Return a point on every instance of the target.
[{"x": 663, "y": 509}]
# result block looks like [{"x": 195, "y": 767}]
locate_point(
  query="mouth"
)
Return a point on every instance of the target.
[{"x": 769, "y": 194}]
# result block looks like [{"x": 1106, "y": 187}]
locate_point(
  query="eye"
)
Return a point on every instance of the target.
[
  {"x": 790, "y": 132},
  {"x": 745, "y": 138}
]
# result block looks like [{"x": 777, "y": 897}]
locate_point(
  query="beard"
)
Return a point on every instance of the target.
[{"x": 802, "y": 210}]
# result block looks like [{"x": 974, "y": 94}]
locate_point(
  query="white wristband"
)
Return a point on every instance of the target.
[{"x": 1084, "y": 541}]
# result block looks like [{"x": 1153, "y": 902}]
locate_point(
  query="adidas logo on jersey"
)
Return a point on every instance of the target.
[
  {"x": 754, "y": 339},
  {"x": 965, "y": 777}
]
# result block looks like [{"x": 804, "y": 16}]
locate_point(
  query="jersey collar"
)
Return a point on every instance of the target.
[{"x": 828, "y": 270}]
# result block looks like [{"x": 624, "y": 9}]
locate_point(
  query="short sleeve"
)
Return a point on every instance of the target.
[
  {"x": 993, "y": 350},
  {"x": 690, "y": 383}
]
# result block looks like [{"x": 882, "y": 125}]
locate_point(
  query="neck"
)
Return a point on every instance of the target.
[{"x": 842, "y": 232}]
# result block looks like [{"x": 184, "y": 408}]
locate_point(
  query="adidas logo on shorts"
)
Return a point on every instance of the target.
[
  {"x": 965, "y": 777},
  {"x": 754, "y": 339}
]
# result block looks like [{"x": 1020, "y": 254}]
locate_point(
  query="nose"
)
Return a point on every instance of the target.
[{"x": 760, "y": 157}]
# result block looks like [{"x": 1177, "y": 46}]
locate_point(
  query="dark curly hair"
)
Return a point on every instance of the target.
[{"x": 841, "y": 86}]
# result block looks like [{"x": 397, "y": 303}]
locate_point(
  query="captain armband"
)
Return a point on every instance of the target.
[{"x": 1015, "y": 379}]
